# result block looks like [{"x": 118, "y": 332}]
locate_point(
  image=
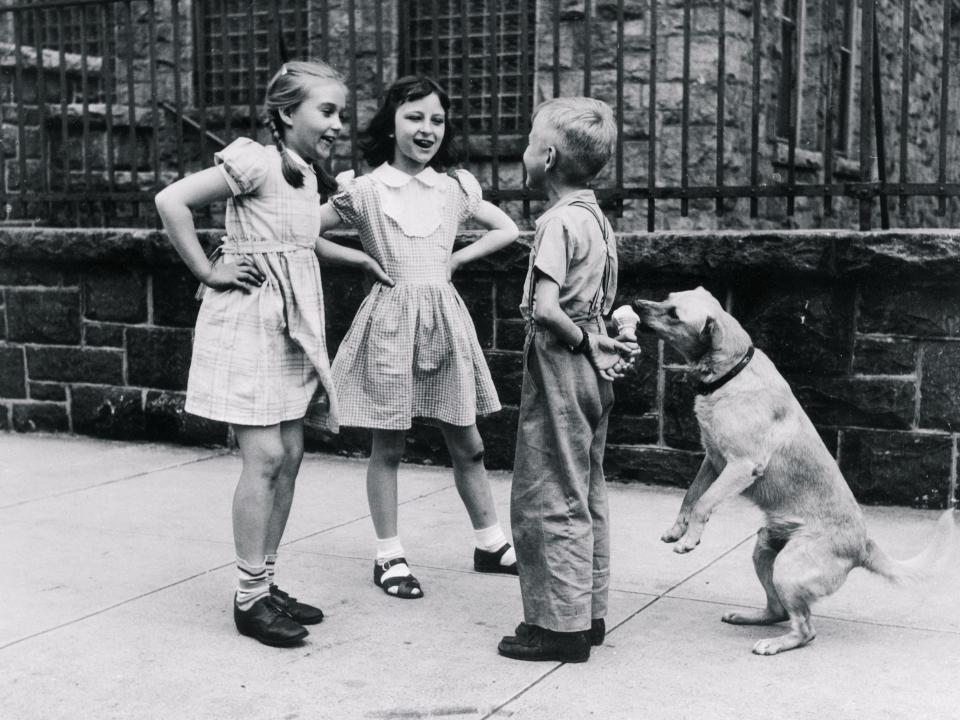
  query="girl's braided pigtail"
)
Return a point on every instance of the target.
[
  {"x": 325, "y": 183},
  {"x": 291, "y": 173}
]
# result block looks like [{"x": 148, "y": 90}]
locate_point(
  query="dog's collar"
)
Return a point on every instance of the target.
[{"x": 707, "y": 388}]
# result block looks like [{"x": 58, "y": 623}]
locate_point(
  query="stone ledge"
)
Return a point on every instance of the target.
[{"x": 928, "y": 255}]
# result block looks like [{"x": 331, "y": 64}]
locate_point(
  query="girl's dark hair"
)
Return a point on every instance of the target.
[
  {"x": 287, "y": 89},
  {"x": 376, "y": 141}
]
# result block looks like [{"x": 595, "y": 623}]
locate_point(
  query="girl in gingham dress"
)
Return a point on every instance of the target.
[
  {"x": 412, "y": 351},
  {"x": 259, "y": 353}
]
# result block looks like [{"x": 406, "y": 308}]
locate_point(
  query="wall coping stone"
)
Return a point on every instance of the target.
[{"x": 929, "y": 255}]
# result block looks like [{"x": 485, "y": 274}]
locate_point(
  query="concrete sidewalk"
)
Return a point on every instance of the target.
[{"x": 116, "y": 604}]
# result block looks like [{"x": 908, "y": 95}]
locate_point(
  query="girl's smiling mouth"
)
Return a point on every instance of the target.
[{"x": 423, "y": 142}]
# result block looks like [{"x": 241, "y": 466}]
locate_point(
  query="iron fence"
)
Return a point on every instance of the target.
[{"x": 106, "y": 101}]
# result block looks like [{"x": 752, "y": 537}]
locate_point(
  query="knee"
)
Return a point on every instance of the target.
[
  {"x": 470, "y": 455},
  {"x": 388, "y": 454},
  {"x": 269, "y": 461}
]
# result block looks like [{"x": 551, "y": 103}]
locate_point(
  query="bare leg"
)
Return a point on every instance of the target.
[
  {"x": 764, "y": 554},
  {"x": 261, "y": 450},
  {"x": 469, "y": 473},
  {"x": 385, "y": 456},
  {"x": 291, "y": 435},
  {"x": 705, "y": 476},
  {"x": 805, "y": 571}
]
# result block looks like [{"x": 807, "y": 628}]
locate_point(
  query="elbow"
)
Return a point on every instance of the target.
[
  {"x": 541, "y": 315},
  {"x": 163, "y": 202}
]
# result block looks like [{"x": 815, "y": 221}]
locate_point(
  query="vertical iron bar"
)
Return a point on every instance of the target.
[
  {"x": 435, "y": 41},
  {"x": 652, "y": 121},
  {"x": 944, "y": 105},
  {"x": 252, "y": 64},
  {"x": 378, "y": 23},
  {"x": 465, "y": 74},
  {"x": 352, "y": 31},
  {"x": 155, "y": 141},
  {"x": 64, "y": 134},
  {"x": 721, "y": 93},
  {"x": 878, "y": 121},
  {"x": 85, "y": 103},
  {"x": 39, "y": 19},
  {"x": 494, "y": 104},
  {"x": 226, "y": 65},
  {"x": 325, "y": 29},
  {"x": 793, "y": 83},
  {"x": 524, "y": 99},
  {"x": 755, "y": 115},
  {"x": 620, "y": 80},
  {"x": 200, "y": 43},
  {"x": 587, "y": 46},
  {"x": 405, "y": 51},
  {"x": 131, "y": 107},
  {"x": 298, "y": 29},
  {"x": 273, "y": 38},
  {"x": 831, "y": 33},
  {"x": 866, "y": 106},
  {"x": 21, "y": 112},
  {"x": 904, "y": 104},
  {"x": 685, "y": 113},
  {"x": 108, "y": 49},
  {"x": 556, "y": 48},
  {"x": 177, "y": 89}
]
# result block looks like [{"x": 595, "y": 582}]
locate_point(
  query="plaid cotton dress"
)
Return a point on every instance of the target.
[
  {"x": 260, "y": 358},
  {"x": 412, "y": 350}
]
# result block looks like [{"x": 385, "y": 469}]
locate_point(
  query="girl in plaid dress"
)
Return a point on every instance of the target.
[
  {"x": 412, "y": 350},
  {"x": 259, "y": 353}
]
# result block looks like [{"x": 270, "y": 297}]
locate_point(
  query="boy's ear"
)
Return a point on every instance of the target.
[
  {"x": 551, "y": 161},
  {"x": 285, "y": 117}
]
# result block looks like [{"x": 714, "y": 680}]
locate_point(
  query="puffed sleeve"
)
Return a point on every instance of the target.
[
  {"x": 349, "y": 202},
  {"x": 244, "y": 164},
  {"x": 470, "y": 194}
]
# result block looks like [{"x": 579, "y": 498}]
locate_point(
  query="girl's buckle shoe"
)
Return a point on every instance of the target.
[
  {"x": 265, "y": 622},
  {"x": 487, "y": 561},
  {"x": 301, "y": 612}
]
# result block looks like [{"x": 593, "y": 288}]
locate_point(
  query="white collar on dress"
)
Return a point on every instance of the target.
[{"x": 391, "y": 177}]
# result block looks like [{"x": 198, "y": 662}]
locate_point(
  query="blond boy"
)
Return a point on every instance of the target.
[{"x": 558, "y": 503}]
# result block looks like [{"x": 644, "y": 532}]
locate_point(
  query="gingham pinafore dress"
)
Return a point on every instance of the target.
[
  {"x": 260, "y": 358},
  {"x": 412, "y": 350}
]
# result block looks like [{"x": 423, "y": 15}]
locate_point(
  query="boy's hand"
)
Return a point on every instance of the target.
[
  {"x": 241, "y": 275},
  {"x": 372, "y": 268},
  {"x": 610, "y": 357}
]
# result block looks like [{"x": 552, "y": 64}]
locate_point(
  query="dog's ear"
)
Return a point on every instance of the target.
[{"x": 710, "y": 332}]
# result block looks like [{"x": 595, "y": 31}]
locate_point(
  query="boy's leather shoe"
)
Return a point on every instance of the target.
[
  {"x": 598, "y": 631},
  {"x": 265, "y": 622},
  {"x": 301, "y": 612},
  {"x": 533, "y": 642}
]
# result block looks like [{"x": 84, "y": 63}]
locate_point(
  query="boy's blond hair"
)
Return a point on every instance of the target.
[{"x": 584, "y": 133}]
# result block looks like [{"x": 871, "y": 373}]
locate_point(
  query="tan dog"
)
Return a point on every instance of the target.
[{"x": 759, "y": 442}]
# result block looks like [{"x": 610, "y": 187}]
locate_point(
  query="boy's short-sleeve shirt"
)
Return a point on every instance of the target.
[{"x": 570, "y": 249}]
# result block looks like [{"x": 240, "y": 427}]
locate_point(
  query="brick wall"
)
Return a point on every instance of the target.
[{"x": 96, "y": 326}]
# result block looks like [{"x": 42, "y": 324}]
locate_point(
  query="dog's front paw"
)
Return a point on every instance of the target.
[
  {"x": 685, "y": 545},
  {"x": 674, "y": 533}
]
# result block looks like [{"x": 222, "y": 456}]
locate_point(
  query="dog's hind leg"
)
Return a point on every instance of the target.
[
  {"x": 764, "y": 554},
  {"x": 803, "y": 572}
]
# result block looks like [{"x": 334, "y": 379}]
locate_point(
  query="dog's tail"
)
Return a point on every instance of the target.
[{"x": 923, "y": 566}]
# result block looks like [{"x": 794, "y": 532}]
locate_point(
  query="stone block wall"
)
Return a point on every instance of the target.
[{"x": 96, "y": 330}]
